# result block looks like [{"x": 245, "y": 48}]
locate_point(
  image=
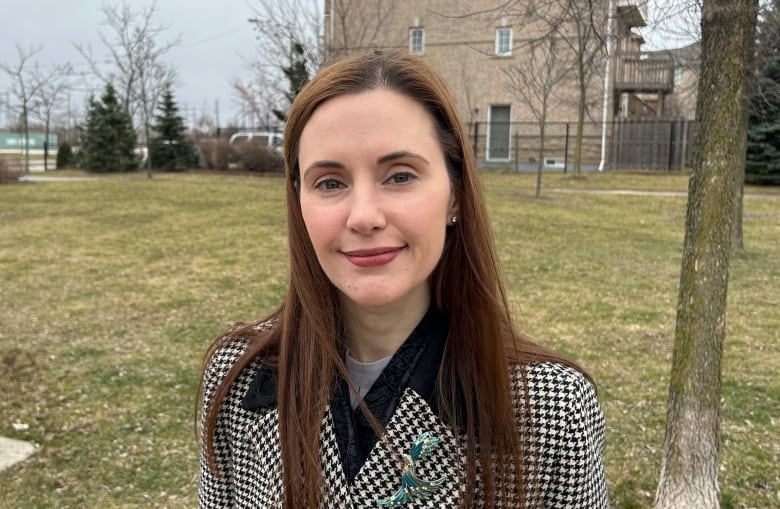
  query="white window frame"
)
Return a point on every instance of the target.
[
  {"x": 412, "y": 32},
  {"x": 501, "y": 33}
]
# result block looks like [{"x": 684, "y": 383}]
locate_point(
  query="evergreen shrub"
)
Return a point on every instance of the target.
[{"x": 65, "y": 156}]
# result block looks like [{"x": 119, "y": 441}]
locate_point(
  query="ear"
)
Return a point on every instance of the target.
[{"x": 453, "y": 208}]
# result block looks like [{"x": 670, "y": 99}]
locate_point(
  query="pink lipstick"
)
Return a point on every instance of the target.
[{"x": 372, "y": 257}]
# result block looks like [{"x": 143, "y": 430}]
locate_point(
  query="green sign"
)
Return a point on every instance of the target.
[{"x": 15, "y": 141}]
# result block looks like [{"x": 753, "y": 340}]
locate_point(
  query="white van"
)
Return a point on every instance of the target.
[{"x": 268, "y": 139}]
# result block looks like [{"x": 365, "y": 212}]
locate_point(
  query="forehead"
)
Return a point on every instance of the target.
[
  {"x": 371, "y": 104},
  {"x": 363, "y": 120}
]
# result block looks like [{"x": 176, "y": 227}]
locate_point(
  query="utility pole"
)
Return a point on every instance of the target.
[{"x": 216, "y": 112}]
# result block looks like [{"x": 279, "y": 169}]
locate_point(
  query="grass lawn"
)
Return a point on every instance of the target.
[{"x": 111, "y": 290}]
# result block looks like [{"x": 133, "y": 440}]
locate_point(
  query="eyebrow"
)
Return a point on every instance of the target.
[
  {"x": 392, "y": 156},
  {"x": 323, "y": 164},
  {"x": 400, "y": 154}
]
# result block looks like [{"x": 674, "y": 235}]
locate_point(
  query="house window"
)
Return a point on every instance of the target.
[
  {"x": 416, "y": 40},
  {"x": 498, "y": 132},
  {"x": 503, "y": 41},
  {"x": 678, "y": 76}
]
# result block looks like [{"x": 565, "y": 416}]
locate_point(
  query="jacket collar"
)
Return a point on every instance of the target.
[{"x": 263, "y": 390}]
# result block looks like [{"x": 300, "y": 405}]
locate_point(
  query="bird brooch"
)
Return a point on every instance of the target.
[{"x": 412, "y": 487}]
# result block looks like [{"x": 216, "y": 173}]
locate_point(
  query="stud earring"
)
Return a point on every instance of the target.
[{"x": 454, "y": 219}]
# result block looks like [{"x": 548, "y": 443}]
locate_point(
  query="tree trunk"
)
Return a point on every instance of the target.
[
  {"x": 26, "y": 139},
  {"x": 580, "y": 130},
  {"x": 46, "y": 147},
  {"x": 689, "y": 470},
  {"x": 540, "y": 165},
  {"x": 149, "y": 173},
  {"x": 737, "y": 239}
]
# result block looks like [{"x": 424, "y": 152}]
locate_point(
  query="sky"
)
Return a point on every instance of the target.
[
  {"x": 217, "y": 41},
  {"x": 216, "y": 44}
]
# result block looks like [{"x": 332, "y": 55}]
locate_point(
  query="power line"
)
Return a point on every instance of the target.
[{"x": 213, "y": 38}]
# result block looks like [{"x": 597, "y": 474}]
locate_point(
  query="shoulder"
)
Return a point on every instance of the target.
[
  {"x": 553, "y": 380},
  {"x": 557, "y": 395},
  {"x": 228, "y": 349},
  {"x": 566, "y": 427},
  {"x": 557, "y": 405}
]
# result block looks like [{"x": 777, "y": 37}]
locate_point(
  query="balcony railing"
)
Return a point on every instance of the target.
[{"x": 640, "y": 72}]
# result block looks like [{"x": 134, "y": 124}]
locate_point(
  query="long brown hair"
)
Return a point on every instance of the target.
[{"x": 466, "y": 286}]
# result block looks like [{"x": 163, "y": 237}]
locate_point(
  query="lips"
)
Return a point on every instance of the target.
[{"x": 375, "y": 257}]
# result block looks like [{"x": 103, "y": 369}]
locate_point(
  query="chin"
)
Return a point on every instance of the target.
[{"x": 372, "y": 300}]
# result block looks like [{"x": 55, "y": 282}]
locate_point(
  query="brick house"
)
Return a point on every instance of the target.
[{"x": 477, "y": 45}]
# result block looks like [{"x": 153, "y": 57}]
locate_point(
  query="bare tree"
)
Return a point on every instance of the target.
[
  {"x": 282, "y": 23},
  {"x": 766, "y": 92},
  {"x": 678, "y": 21},
  {"x": 689, "y": 470},
  {"x": 353, "y": 25},
  {"x": 581, "y": 28},
  {"x": 23, "y": 91},
  {"x": 250, "y": 99},
  {"x": 136, "y": 60},
  {"x": 325, "y": 31},
  {"x": 288, "y": 34},
  {"x": 53, "y": 87},
  {"x": 539, "y": 71},
  {"x": 26, "y": 86},
  {"x": 259, "y": 96},
  {"x": 153, "y": 78}
]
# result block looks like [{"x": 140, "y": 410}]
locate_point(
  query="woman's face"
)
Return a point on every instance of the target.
[{"x": 375, "y": 197}]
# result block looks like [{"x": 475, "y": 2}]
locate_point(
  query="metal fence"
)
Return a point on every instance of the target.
[
  {"x": 648, "y": 144},
  {"x": 630, "y": 144}
]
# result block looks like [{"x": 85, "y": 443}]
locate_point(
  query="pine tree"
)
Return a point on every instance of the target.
[
  {"x": 170, "y": 149},
  {"x": 296, "y": 74},
  {"x": 109, "y": 139},
  {"x": 763, "y": 150}
]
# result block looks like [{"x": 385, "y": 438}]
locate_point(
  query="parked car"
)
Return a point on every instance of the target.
[{"x": 266, "y": 138}]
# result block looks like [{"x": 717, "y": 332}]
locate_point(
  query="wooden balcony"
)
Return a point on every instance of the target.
[{"x": 643, "y": 72}]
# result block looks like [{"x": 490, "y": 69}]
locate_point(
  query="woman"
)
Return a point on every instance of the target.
[{"x": 391, "y": 375}]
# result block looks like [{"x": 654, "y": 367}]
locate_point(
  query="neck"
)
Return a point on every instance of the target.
[{"x": 376, "y": 333}]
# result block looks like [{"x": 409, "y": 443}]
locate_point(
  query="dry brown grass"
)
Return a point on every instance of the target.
[{"x": 112, "y": 289}]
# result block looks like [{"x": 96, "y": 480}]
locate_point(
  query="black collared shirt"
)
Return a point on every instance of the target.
[{"x": 415, "y": 365}]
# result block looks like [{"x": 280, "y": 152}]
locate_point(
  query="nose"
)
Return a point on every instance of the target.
[{"x": 366, "y": 213}]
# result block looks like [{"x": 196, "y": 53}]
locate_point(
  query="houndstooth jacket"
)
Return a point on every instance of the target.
[{"x": 569, "y": 436}]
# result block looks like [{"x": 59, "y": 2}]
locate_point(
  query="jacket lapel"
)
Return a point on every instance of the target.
[
  {"x": 380, "y": 475},
  {"x": 337, "y": 491}
]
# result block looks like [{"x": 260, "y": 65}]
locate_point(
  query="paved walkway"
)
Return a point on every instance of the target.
[
  {"x": 13, "y": 451},
  {"x": 621, "y": 192},
  {"x": 615, "y": 192},
  {"x": 50, "y": 178},
  {"x": 628, "y": 192}
]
